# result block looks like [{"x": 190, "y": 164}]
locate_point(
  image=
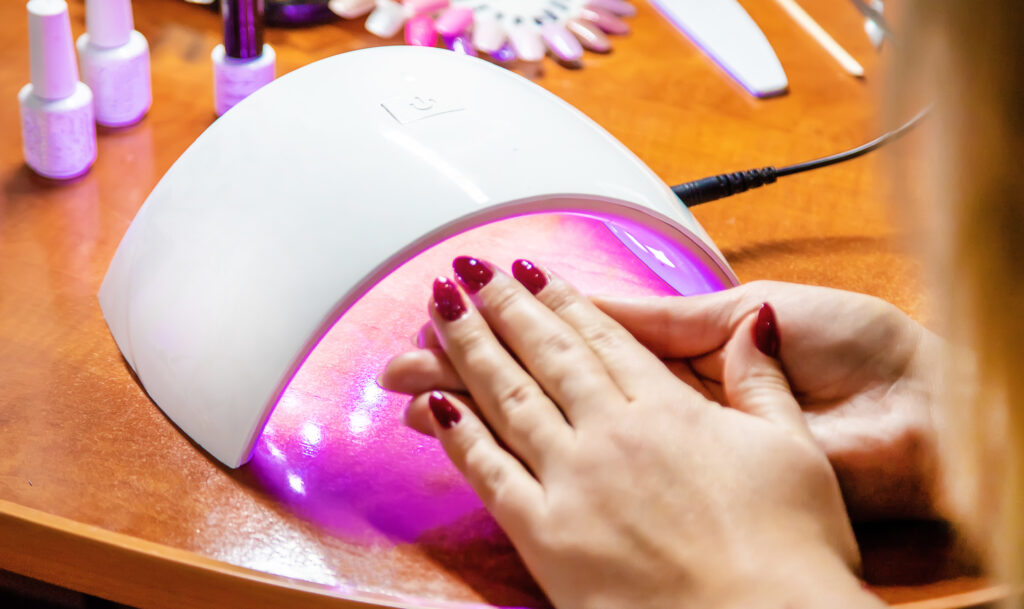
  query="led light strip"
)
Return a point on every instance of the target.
[{"x": 504, "y": 29}]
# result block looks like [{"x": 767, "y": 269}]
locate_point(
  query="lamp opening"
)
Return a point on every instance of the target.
[{"x": 335, "y": 449}]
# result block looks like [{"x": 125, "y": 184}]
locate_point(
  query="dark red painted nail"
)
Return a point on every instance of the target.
[
  {"x": 446, "y": 414},
  {"x": 766, "y": 332},
  {"x": 471, "y": 273},
  {"x": 529, "y": 275},
  {"x": 448, "y": 300}
]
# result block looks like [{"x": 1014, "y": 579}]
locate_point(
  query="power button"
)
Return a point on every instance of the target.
[{"x": 410, "y": 108}]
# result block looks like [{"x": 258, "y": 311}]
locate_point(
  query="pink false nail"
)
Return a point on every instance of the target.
[
  {"x": 590, "y": 36},
  {"x": 460, "y": 44},
  {"x": 562, "y": 43},
  {"x": 453, "y": 21},
  {"x": 422, "y": 7},
  {"x": 605, "y": 20},
  {"x": 488, "y": 35},
  {"x": 616, "y": 7},
  {"x": 350, "y": 9},
  {"x": 526, "y": 42},
  {"x": 420, "y": 31},
  {"x": 386, "y": 19}
]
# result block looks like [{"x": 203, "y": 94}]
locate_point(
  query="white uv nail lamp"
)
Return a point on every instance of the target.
[{"x": 299, "y": 201}]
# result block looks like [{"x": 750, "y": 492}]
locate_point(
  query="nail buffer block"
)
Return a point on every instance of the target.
[{"x": 727, "y": 33}]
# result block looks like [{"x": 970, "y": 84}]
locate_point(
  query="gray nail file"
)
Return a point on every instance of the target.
[{"x": 728, "y": 34}]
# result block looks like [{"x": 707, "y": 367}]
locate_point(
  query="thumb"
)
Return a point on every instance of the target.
[
  {"x": 753, "y": 378},
  {"x": 677, "y": 327}
]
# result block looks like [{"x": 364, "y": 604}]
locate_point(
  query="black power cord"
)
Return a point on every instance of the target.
[{"x": 727, "y": 184}]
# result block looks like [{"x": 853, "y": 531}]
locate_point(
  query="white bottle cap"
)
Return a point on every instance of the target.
[
  {"x": 54, "y": 70},
  {"x": 109, "y": 22}
]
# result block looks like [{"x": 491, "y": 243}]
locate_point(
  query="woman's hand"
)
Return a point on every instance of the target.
[
  {"x": 619, "y": 484},
  {"x": 863, "y": 372}
]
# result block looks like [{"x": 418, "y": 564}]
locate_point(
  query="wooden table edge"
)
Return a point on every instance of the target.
[{"x": 135, "y": 571}]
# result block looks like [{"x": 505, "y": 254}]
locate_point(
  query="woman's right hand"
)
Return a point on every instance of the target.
[{"x": 864, "y": 373}]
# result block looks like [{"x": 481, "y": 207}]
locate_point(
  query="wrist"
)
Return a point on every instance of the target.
[
  {"x": 809, "y": 579},
  {"x": 926, "y": 372}
]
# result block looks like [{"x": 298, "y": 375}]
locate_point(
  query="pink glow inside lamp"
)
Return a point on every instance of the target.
[
  {"x": 240, "y": 287},
  {"x": 58, "y": 131}
]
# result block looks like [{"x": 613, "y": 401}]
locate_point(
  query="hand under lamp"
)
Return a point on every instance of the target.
[{"x": 300, "y": 200}]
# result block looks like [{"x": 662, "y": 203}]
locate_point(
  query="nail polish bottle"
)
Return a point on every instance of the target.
[
  {"x": 114, "y": 59},
  {"x": 243, "y": 63},
  {"x": 58, "y": 128}
]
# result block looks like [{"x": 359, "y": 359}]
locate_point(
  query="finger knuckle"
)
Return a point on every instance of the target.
[
  {"x": 557, "y": 344},
  {"x": 469, "y": 339},
  {"x": 516, "y": 397},
  {"x": 605, "y": 337},
  {"x": 488, "y": 473},
  {"x": 762, "y": 382},
  {"x": 499, "y": 302},
  {"x": 560, "y": 298},
  {"x": 810, "y": 467}
]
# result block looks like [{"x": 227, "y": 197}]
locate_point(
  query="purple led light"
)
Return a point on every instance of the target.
[{"x": 335, "y": 450}]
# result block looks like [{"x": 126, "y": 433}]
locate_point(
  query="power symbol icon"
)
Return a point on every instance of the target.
[{"x": 421, "y": 104}]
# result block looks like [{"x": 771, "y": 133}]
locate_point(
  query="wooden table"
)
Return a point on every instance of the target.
[{"x": 100, "y": 492}]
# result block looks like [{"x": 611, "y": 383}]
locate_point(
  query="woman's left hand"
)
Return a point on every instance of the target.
[{"x": 619, "y": 484}]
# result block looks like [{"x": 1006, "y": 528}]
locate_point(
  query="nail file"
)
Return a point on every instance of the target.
[{"x": 727, "y": 33}]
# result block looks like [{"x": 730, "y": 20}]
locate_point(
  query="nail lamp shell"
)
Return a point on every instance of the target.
[{"x": 237, "y": 264}]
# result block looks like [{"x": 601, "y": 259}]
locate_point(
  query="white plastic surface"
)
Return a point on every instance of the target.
[
  {"x": 109, "y": 22},
  {"x": 727, "y": 33},
  {"x": 51, "y": 49},
  {"x": 299, "y": 199}
]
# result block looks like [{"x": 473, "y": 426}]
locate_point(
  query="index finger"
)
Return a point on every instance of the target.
[{"x": 680, "y": 326}]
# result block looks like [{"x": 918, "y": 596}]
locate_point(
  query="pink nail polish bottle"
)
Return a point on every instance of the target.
[
  {"x": 243, "y": 63},
  {"x": 58, "y": 128},
  {"x": 114, "y": 60}
]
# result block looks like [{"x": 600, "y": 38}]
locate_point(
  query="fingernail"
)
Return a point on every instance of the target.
[
  {"x": 448, "y": 300},
  {"x": 488, "y": 35},
  {"x": 615, "y": 7},
  {"x": 454, "y": 21},
  {"x": 420, "y": 31},
  {"x": 526, "y": 41},
  {"x": 590, "y": 35},
  {"x": 446, "y": 414},
  {"x": 471, "y": 273},
  {"x": 561, "y": 42},
  {"x": 460, "y": 44},
  {"x": 503, "y": 54},
  {"x": 529, "y": 275},
  {"x": 766, "y": 332},
  {"x": 604, "y": 20}
]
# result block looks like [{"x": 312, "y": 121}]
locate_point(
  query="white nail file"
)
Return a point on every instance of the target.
[{"x": 727, "y": 33}]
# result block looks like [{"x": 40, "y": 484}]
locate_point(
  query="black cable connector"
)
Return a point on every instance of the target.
[
  {"x": 725, "y": 185},
  {"x": 728, "y": 184}
]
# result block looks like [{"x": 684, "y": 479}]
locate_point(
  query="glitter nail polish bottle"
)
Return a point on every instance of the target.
[
  {"x": 243, "y": 63},
  {"x": 58, "y": 128},
  {"x": 114, "y": 60}
]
